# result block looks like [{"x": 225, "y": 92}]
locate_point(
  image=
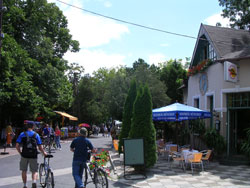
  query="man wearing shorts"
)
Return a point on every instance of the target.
[{"x": 29, "y": 156}]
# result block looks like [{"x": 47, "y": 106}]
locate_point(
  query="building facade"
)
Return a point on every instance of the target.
[{"x": 219, "y": 81}]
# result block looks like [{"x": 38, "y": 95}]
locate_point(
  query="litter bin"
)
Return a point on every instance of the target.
[{"x": 64, "y": 132}]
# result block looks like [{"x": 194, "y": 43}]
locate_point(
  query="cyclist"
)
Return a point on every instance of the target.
[
  {"x": 48, "y": 135},
  {"x": 30, "y": 140},
  {"x": 80, "y": 146}
]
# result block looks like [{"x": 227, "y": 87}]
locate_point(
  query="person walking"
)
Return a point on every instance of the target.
[
  {"x": 9, "y": 135},
  {"x": 58, "y": 138},
  {"x": 29, "y": 140},
  {"x": 80, "y": 146},
  {"x": 105, "y": 131}
]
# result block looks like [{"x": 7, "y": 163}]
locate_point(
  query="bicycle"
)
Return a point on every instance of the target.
[
  {"x": 46, "y": 175},
  {"x": 97, "y": 174},
  {"x": 49, "y": 141}
]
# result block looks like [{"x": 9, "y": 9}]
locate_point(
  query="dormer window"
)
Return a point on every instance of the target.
[{"x": 211, "y": 53}]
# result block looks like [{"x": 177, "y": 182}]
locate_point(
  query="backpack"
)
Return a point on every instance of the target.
[{"x": 29, "y": 146}]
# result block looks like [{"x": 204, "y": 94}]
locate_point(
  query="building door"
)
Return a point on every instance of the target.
[
  {"x": 239, "y": 121},
  {"x": 233, "y": 132},
  {"x": 238, "y": 105}
]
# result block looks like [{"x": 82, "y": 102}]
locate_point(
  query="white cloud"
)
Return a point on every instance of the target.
[
  {"x": 92, "y": 31},
  {"x": 89, "y": 30},
  {"x": 212, "y": 20},
  {"x": 156, "y": 58},
  {"x": 107, "y": 4},
  {"x": 164, "y": 45},
  {"x": 92, "y": 60}
]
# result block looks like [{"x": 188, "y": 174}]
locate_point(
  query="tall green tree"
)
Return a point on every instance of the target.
[
  {"x": 142, "y": 124},
  {"x": 116, "y": 93},
  {"x": 90, "y": 110},
  {"x": 18, "y": 96},
  {"x": 149, "y": 75},
  {"x": 238, "y": 12},
  {"x": 127, "y": 113},
  {"x": 39, "y": 32},
  {"x": 173, "y": 74}
]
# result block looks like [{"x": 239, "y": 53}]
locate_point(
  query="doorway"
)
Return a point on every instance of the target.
[{"x": 239, "y": 121}]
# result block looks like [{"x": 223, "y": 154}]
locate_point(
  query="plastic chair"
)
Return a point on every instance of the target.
[
  {"x": 160, "y": 147},
  {"x": 206, "y": 156},
  {"x": 177, "y": 157},
  {"x": 196, "y": 161},
  {"x": 172, "y": 149}
]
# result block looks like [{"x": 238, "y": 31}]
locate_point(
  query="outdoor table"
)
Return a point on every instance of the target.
[{"x": 187, "y": 154}]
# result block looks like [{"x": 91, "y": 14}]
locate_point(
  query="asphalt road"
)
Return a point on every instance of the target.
[{"x": 10, "y": 176}]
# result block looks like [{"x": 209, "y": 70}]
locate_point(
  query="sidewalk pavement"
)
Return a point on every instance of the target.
[
  {"x": 12, "y": 150},
  {"x": 162, "y": 175}
]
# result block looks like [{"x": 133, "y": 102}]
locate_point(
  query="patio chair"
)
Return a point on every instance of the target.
[
  {"x": 172, "y": 149},
  {"x": 196, "y": 161},
  {"x": 206, "y": 156},
  {"x": 160, "y": 147},
  {"x": 177, "y": 157}
]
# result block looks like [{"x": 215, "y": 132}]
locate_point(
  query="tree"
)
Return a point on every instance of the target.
[
  {"x": 18, "y": 96},
  {"x": 90, "y": 111},
  {"x": 32, "y": 67},
  {"x": 142, "y": 124},
  {"x": 127, "y": 113},
  {"x": 173, "y": 74},
  {"x": 143, "y": 73},
  {"x": 238, "y": 12},
  {"x": 115, "y": 94}
]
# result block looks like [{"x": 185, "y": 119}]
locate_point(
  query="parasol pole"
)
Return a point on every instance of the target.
[{"x": 62, "y": 121}]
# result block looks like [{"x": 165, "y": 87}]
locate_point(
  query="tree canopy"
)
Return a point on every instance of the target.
[
  {"x": 238, "y": 12},
  {"x": 36, "y": 80},
  {"x": 33, "y": 80}
]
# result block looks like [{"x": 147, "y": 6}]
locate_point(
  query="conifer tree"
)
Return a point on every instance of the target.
[
  {"x": 142, "y": 125},
  {"x": 127, "y": 113}
]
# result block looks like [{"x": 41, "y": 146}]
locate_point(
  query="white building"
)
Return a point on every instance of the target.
[{"x": 219, "y": 81}]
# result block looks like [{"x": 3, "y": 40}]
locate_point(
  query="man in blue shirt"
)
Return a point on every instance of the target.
[
  {"x": 80, "y": 147},
  {"x": 46, "y": 130},
  {"x": 29, "y": 140}
]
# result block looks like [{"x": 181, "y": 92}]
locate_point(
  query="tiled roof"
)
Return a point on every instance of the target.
[{"x": 229, "y": 43}]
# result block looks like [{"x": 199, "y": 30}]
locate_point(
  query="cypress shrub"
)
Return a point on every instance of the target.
[
  {"x": 127, "y": 113},
  {"x": 142, "y": 125}
]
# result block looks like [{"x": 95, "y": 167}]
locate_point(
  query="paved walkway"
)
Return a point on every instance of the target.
[{"x": 161, "y": 175}]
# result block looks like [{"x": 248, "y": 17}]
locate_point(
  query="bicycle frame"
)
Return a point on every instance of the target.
[
  {"x": 46, "y": 173},
  {"x": 94, "y": 173}
]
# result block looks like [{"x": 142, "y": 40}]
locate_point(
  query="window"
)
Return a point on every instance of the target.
[
  {"x": 237, "y": 100},
  {"x": 211, "y": 107},
  {"x": 211, "y": 53},
  {"x": 196, "y": 103}
]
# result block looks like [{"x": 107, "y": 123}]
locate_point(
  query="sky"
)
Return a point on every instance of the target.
[{"x": 110, "y": 44}]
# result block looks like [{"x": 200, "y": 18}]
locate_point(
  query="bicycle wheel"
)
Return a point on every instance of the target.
[
  {"x": 42, "y": 174},
  {"x": 100, "y": 178},
  {"x": 50, "y": 180}
]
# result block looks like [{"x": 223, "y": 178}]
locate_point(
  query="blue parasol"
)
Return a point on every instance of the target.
[{"x": 179, "y": 112}]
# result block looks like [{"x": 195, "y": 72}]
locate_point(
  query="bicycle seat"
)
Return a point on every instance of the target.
[{"x": 48, "y": 156}]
